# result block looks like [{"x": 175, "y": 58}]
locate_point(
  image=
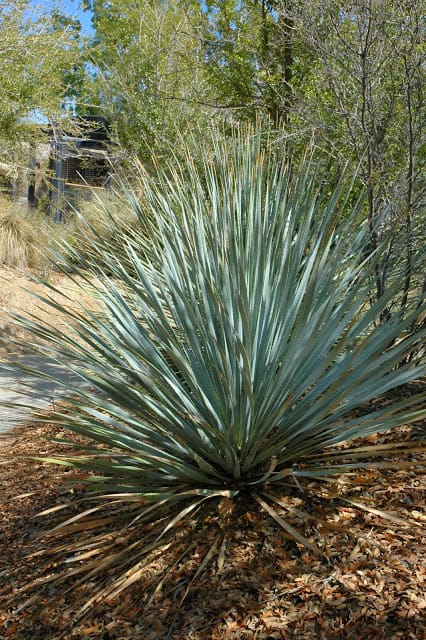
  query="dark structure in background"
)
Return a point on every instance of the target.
[{"x": 78, "y": 163}]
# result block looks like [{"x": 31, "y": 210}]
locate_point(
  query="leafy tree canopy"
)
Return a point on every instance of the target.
[{"x": 37, "y": 55}]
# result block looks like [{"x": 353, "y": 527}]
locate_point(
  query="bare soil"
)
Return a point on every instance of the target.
[{"x": 18, "y": 294}]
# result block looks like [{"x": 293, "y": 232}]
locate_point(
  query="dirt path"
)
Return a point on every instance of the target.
[
  {"x": 17, "y": 295},
  {"x": 29, "y": 392}
]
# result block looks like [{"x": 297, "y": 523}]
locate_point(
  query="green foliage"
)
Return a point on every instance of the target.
[
  {"x": 250, "y": 58},
  {"x": 362, "y": 98},
  {"x": 35, "y": 54},
  {"x": 233, "y": 350},
  {"x": 147, "y": 74}
]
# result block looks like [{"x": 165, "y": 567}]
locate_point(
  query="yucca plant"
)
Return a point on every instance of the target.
[
  {"x": 232, "y": 356},
  {"x": 102, "y": 221}
]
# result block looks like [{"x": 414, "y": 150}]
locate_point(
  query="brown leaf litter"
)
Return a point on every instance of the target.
[{"x": 258, "y": 586}]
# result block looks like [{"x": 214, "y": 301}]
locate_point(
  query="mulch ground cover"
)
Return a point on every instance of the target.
[{"x": 261, "y": 586}]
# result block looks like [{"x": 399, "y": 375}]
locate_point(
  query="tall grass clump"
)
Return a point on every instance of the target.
[
  {"x": 25, "y": 237},
  {"x": 18, "y": 237},
  {"x": 236, "y": 352}
]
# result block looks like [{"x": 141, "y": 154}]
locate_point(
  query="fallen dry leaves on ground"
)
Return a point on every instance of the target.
[{"x": 262, "y": 586}]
